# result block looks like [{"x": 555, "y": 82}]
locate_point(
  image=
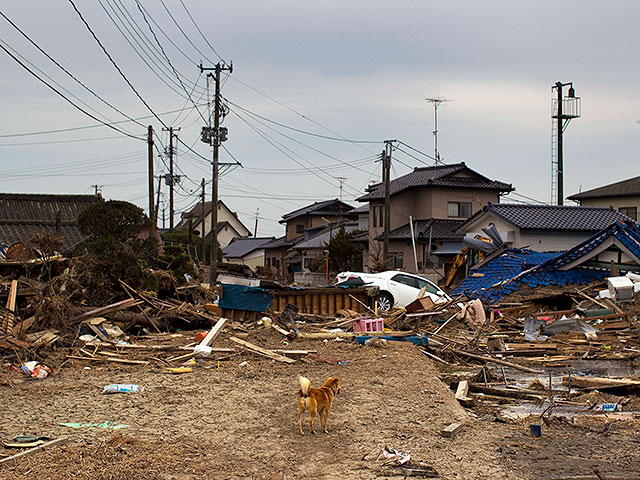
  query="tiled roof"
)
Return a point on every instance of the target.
[
  {"x": 23, "y": 215},
  {"x": 619, "y": 189},
  {"x": 328, "y": 207},
  {"x": 280, "y": 242},
  {"x": 551, "y": 217},
  {"x": 506, "y": 273},
  {"x": 442, "y": 176},
  {"x": 438, "y": 229},
  {"x": 322, "y": 239},
  {"x": 239, "y": 247},
  {"x": 511, "y": 262}
]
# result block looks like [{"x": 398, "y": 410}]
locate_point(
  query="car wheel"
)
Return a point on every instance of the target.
[{"x": 384, "y": 301}]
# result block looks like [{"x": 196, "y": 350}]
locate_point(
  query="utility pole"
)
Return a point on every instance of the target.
[
  {"x": 215, "y": 137},
  {"x": 155, "y": 216},
  {"x": 202, "y": 227},
  {"x": 172, "y": 177},
  {"x": 386, "y": 175},
  {"x": 151, "y": 211},
  {"x": 562, "y": 119},
  {"x": 96, "y": 189},
  {"x": 255, "y": 229}
]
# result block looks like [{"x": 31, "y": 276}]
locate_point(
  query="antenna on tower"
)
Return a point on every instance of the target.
[
  {"x": 436, "y": 101},
  {"x": 341, "y": 180}
]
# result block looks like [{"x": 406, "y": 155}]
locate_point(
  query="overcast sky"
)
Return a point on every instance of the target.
[{"x": 357, "y": 70}]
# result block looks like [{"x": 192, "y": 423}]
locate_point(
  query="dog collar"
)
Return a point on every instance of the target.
[{"x": 331, "y": 390}]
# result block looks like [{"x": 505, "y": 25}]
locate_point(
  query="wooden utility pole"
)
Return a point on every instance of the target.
[{"x": 151, "y": 210}]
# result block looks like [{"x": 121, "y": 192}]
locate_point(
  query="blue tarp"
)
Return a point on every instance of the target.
[{"x": 241, "y": 297}]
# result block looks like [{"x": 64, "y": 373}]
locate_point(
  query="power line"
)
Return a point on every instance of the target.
[
  {"x": 201, "y": 34},
  {"x": 115, "y": 64},
  {"x": 326, "y": 137},
  {"x": 282, "y": 148},
  {"x": 141, "y": 47},
  {"x": 67, "y": 99},
  {"x": 85, "y": 127},
  {"x": 68, "y": 72},
  {"x": 168, "y": 60}
]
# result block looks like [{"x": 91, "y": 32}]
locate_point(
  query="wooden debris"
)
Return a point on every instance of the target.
[
  {"x": 213, "y": 333},
  {"x": 96, "y": 312},
  {"x": 451, "y": 430},
  {"x": 31, "y": 451},
  {"x": 261, "y": 351},
  {"x": 108, "y": 359},
  {"x": 496, "y": 360},
  {"x": 599, "y": 383}
]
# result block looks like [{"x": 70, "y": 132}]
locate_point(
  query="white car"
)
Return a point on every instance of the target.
[{"x": 396, "y": 288}]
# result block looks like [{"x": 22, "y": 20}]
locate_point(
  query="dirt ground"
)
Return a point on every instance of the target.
[{"x": 231, "y": 421}]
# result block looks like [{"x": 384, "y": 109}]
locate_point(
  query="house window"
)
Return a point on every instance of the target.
[
  {"x": 375, "y": 217},
  {"x": 459, "y": 209},
  {"x": 268, "y": 262},
  {"x": 396, "y": 260},
  {"x": 631, "y": 212},
  {"x": 299, "y": 228},
  {"x": 381, "y": 216}
]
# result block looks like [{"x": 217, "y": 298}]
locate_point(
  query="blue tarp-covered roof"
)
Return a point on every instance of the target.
[
  {"x": 241, "y": 297},
  {"x": 508, "y": 271}
]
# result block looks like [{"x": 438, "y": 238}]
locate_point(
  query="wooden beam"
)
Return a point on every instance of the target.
[
  {"x": 11, "y": 299},
  {"x": 261, "y": 351},
  {"x": 97, "y": 312},
  {"x": 452, "y": 430},
  {"x": 213, "y": 333},
  {"x": 31, "y": 451},
  {"x": 496, "y": 360}
]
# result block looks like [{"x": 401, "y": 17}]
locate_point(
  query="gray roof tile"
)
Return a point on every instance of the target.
[
  {"x": 552, "y": 217},
  {"x": 624, "y": 188},
  {"x": 442, "y": 176}
]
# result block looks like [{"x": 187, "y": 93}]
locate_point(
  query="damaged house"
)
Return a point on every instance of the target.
[{"x": 616, "y": 248}]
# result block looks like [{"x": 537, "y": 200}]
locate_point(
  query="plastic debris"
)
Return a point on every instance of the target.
[
  {"x": 108, "y": 424},
  {"x": 36, "y": 369},
  {"x": 123, "y": 388}
]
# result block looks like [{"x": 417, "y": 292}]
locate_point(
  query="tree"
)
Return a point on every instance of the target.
[
  {"x": 344, "y": 253},
  {"x": 114, "y": 218}
]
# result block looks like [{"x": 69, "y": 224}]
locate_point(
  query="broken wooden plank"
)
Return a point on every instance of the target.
[
  {"x": 13, "y": 293},
  {"x": 31, "y": 451},
  {"x": 96, "y": 312},
  {"x": 598, "y": 383},
  {"x": 109, "y": 359},
  {"x": 462, "y": 390},
  {"x": 451, "y": 430},
  {"x": 496, "y": 360},
  {"x": 261, "y": 351},
  {"x": 213, "y": 333}
]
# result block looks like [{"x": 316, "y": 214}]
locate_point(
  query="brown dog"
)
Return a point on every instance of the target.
[{"x": 316, "y": 401}]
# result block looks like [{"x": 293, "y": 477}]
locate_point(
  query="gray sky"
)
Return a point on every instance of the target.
[{"x": 358, "y": 70}]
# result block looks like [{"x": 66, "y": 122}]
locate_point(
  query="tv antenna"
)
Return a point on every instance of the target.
[{"x": 436, "y": 101}]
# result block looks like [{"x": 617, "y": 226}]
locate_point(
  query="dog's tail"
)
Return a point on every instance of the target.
[{"x": 305, "y": 385}]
